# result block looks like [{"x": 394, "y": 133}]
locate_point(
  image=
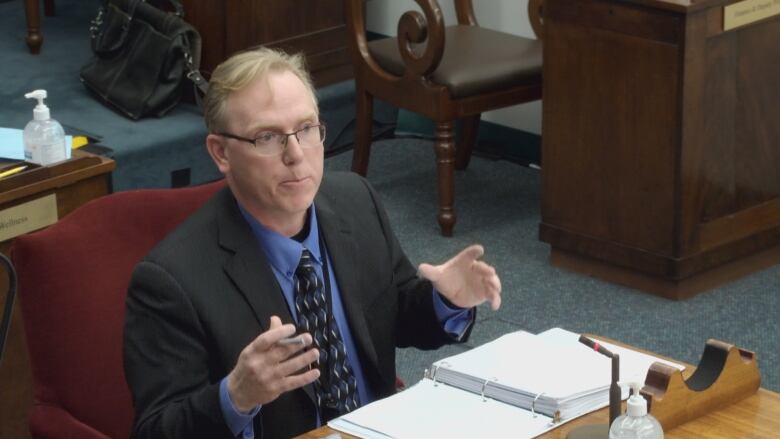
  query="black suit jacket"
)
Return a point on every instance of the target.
[{"x": 206, "y": 291}]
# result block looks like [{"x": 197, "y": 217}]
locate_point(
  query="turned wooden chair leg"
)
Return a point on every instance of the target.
[
  {"x": 445, "y": 160},
  {"x": 468, "y": 138},
  {"x": 34, "y": 38},
  {"x": 364, "y": 116}
]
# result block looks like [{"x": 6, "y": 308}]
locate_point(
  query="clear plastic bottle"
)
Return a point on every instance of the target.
[
  {"x": 44, "y": 138},
  {"x": 636, "y": 423}
]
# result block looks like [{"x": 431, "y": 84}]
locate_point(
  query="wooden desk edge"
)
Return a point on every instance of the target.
[{"x": 104, "y": 166}]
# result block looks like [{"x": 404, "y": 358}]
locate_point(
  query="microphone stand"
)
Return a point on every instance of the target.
[{"x": 601, "y": 431}]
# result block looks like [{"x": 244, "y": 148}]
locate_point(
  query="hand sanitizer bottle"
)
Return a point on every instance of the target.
[
  {"x": 636, "y": 423},
  {"x": 44, "y": 138}
]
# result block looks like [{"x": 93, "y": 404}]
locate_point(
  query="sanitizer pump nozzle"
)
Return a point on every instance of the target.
[
  {"x": 636, "y": 423},
  {"x": 41, "y": 111}
]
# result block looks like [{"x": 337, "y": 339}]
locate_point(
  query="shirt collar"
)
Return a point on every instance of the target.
[{"x": 282, "y": 252}]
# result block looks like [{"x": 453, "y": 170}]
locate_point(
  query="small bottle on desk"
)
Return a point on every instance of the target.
[
  {"x": 636, "y": 423},
  {"x": 44, "y": 138}
]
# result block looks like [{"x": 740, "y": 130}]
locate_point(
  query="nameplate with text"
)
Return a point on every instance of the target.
[
  {"x": 29, "y": 216},
  {"x": 748, "y": 11}
]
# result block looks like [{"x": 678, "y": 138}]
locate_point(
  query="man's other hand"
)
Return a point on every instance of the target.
[
  {"x": 465, "y": 280},
  {"x": 266, "y": 369}
]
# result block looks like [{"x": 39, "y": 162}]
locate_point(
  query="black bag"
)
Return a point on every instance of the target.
[{"x": 143, "y": 56}]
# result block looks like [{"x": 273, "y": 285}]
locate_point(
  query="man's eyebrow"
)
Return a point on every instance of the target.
[{"x": 260, "y": 127}]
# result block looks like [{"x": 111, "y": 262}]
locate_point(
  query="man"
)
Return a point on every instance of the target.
[{"x": 212, "y": 309}]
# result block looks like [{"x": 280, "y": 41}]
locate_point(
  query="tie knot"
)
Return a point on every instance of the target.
[{"x": 306, "y": 262}]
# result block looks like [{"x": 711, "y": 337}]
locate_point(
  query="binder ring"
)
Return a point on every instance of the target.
[
  {"x": 484, "y": 385},
  {"x": 435, "y": 369},
  {"x": 482, "y": 392},
  {"x": 533, "y": 404}
]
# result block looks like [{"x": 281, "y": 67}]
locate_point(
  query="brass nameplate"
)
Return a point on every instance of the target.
[
  {"x": 29, "y": 216},
  {"x": 748, "y": 11}
]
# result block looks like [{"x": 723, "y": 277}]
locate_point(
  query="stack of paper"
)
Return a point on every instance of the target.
[
  {"x": 519, "y": 385},
  {"x": 551, "y": 373},
  {"x": 427, "y": 410}
]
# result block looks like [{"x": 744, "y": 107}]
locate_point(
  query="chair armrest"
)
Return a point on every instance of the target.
[
  {"x": 536, "y": 16},
  {"x": 355, "y": 17},
  {"x": 465, "y": 12}
]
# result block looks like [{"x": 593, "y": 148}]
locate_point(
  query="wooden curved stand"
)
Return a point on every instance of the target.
[{"x": 726, "y": 374}]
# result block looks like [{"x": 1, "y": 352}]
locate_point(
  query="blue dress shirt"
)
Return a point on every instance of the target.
[{"x": 284, "y": 254}]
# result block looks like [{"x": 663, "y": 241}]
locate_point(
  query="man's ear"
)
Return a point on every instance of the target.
[{"x": 217, "y": 149}]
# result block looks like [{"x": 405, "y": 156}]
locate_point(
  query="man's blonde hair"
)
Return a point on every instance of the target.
[{"x": 239, "y": 70}]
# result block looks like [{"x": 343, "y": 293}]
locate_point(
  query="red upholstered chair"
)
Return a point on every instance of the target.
[{"x": 73, "y": 280}]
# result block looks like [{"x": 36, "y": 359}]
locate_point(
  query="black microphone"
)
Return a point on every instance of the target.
[
  {"x": 596, "y": 346},
  {"x": 614, "y": 388}
]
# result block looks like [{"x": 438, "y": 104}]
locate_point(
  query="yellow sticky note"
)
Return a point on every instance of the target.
[{"x": 79, "y": 141}]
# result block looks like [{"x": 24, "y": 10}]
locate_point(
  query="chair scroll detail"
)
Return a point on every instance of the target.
[{"x": 413, "y": 28}]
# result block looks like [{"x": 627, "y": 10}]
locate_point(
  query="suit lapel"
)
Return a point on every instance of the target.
[
  {"x": 250, "y": 271},
  {"x": 337, "y": 234},
  {"x": 248, "y": 267}
]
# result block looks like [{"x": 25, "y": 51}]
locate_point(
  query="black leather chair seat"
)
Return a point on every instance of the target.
[{"x": 476, "y": 60}]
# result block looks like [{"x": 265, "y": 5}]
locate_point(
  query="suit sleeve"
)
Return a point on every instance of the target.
[
  {"x": 416, "y": 323},
  {"x": 166, "y": 361}
]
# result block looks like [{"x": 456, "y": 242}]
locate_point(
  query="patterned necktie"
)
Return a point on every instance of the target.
[{"x": 336, "y": 389}]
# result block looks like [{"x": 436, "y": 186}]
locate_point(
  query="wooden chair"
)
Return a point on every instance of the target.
[{"x": 446, "y": 73}]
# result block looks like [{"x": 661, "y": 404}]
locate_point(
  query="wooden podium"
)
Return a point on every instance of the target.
[
  {"x": 73, "y": 182},
  {"x": 661, "y": 142},
  {"x": 316, "y": 28}
]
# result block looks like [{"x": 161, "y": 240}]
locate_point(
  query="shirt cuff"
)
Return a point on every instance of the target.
[
  {"x": 453, "y": 319},
  {"x": 239, "y": 423}
]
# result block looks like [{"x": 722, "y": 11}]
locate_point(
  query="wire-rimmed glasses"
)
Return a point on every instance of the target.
[{"x": 274, "y": 143}]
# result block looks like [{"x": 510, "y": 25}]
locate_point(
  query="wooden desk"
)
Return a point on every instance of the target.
[
  {"x": 660, "y": 143},
  {"x": 76, "y": 181},
  {"x": 751, "y": 418}
]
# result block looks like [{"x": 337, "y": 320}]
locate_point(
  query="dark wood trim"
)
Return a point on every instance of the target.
[{"x": 670, "y": 289}]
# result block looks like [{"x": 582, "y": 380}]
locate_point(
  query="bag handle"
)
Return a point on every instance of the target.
[
  {"x": 193, "y": 65},
  {"x": 96, "y": 27}
]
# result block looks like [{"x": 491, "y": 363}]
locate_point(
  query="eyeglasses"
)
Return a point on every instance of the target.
[{"x": 273, "y": 143}]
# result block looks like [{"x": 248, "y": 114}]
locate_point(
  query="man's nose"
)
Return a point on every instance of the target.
[{"x": 292, "y": 148}]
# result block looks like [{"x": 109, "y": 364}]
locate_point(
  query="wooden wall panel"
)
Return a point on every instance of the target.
[
  {"x": 614, "y": 142},
  {"x": 717, "y": 166},
  {"x": 661, "y": 139},
  {"x": 758, "y": 115}
]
